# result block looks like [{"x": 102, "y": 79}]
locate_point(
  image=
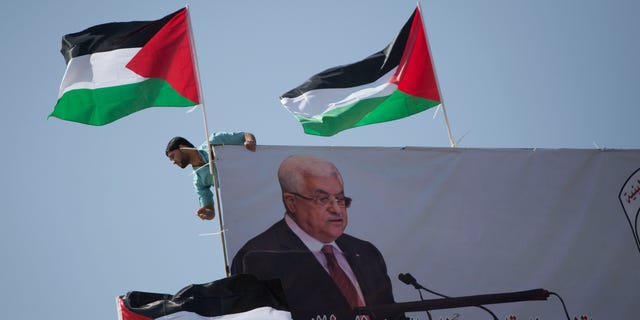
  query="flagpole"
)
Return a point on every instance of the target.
[
  {"x": 211, "y": 151},
  {"x": 446, "y": 121},
  {"x": 444, "y": 110}
]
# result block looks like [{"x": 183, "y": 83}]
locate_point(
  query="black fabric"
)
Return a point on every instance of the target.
[
  {"x": 360, "y": 73},
  {"x": 236, "y": 294},
  {"x": 111, "y": 36}
]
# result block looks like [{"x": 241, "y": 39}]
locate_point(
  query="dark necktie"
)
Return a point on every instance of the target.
[{"x": 340, "y": 278}]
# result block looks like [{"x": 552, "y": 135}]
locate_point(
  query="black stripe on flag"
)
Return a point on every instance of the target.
[
  {"x": 236, "y": 294},
  {"x": 111, "y": 36},
  {"x": 360, "y": 73}
]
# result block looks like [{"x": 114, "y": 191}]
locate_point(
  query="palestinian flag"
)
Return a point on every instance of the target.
[
  {"x": 118, "y": 68},
  {"x": 238, "y": 297},
  {"x": 391, "y": 84}
]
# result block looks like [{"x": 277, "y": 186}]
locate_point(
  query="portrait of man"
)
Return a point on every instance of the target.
[{"x": 323, "y": 270}]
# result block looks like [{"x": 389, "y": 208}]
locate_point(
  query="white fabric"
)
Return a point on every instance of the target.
[
  {"x": 264, "y": 313},
  {"x": 316, "y": 102},
  {"x": 100, "y": 70}
]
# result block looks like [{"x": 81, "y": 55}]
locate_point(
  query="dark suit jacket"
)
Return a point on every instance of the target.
[{"x": 278, "y": 253}]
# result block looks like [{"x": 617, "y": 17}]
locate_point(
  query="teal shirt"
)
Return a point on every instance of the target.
[{"x": 202, "y": 179}]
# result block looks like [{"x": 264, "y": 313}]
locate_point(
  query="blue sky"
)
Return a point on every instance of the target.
[{"x": 93, "y": 212}]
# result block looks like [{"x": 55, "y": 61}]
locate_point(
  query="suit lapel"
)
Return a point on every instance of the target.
[{"x": 287, "y": 239}]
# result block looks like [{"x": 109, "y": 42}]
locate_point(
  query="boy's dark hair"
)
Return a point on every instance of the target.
[{"x": 175, "y": 144}]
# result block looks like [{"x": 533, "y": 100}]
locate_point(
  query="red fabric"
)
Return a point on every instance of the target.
[
  {"x": 126, "y": 314},
  {"x": 415, "y": 74},
  {"x": 168, "y": 55}
]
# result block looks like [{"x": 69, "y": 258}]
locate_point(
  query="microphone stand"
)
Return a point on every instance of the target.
[
  {"x": 407, "y": 278},
  {"x": 403, "y": 278}
]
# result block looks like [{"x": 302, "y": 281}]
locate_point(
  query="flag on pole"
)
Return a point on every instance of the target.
[
  {"x": 238, "y": 297},
  {"x": 394, "y": 83},
  {"x": 118, "y": 68}
]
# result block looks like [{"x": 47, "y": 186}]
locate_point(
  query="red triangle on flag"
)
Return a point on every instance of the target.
[
  {"x": 415, "y": 74},
  {"x": 168, "y": 55}
]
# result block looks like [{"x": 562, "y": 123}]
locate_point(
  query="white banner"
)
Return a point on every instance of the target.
[{"x": 473, "y": 221}]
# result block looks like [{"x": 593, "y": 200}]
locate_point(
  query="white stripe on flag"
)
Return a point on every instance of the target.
[
  {"x": 262, "y": 313},
  {"x": 317, "y": 102},
  {"x": 99, "y": 70}
]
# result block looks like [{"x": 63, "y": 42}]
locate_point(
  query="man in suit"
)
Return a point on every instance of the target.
[{"x": 298, "y": 249}]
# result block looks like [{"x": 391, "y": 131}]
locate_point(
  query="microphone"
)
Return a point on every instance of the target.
[{"x": 407, "y": 278}]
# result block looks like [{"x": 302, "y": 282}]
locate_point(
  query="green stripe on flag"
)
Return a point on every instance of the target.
[
  {"x": 102, "y": 106},
  {"x": 364, "y": 112}
]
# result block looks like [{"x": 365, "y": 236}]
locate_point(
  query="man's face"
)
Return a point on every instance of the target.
[
  {"x": 324, "y": 222},
  {"x": 178, "y": 158}
]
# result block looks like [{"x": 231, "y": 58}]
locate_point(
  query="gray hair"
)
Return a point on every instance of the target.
[{"x": 295, "y": 168}]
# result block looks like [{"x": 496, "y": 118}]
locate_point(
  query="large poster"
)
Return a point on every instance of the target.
[{"x": 473, "y": 221}]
